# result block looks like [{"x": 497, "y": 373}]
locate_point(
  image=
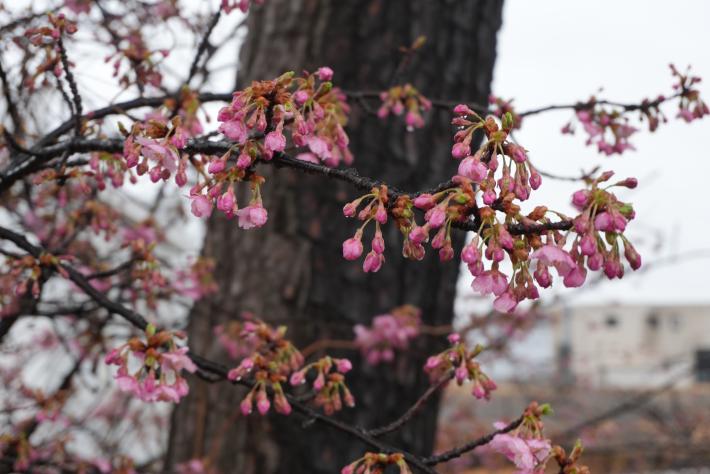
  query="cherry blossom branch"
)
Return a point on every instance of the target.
[
  {"x": 206, "y": 365},
  {"x": 470, "y": 446},
  {"x": 76, "y": 98},
  {"x": 409, "y": 414},
  {"x": 626, "y": 107},
  {"x": 348, "y": 175}
]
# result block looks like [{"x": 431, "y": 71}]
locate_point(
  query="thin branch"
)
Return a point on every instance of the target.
[
  {"x": 10, "y": 103},
  {"x": 214, "y": 371},
  {"x": 409, "y": 414},
  {"x": 348, "y": 175},
  {"x": 76, "y": 98},
  {"x": 470, "y": 446},
  {"x": 204, "y": 43}
]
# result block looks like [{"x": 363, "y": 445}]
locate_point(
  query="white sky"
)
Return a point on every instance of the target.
[{"x": 561, "y": 51}]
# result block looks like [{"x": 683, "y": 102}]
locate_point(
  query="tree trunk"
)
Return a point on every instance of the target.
[{"x": 292, "y": 272}]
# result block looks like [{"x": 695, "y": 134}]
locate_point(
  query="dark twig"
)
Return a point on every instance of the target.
[
  {"x": 214, "y": 371},
  {"x": 76, "y": 98},
  {"x": 204, "y": 42},
  {"x": 409, "y": 414},
  {"x": 470, "y": 446},
  {"x": 10, "y": 103},
  {"x": 348, "y": 175}
]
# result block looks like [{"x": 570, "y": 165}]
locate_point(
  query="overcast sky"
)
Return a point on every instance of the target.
[{"x": 561, "y": 51}]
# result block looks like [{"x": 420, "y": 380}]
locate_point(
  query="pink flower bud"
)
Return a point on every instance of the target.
[
  {"x": 325, "y": 73},
  {"x": 373, "y": 262},
  {"x": 542, "y": 276},
  {"x": 432, "y": 363},
  {"x": 201, "y": 206},
  {"x": 588, "y": 245},
  {"x": 378, "y": 243},
  {"x": 263, "y": 405},
  {"x": 460, "y": 150},
  {"x": 575, "y": 278},
  {"x": 300, "y": 97},
  {"x": 446, "y": 253},
  {"x": 632, "y": 256},
  {"x": 463, "y": 109},
  {"x": 489, "y": 197},
  {"x": 461, "y": 373},
  {"x": 435, "y": 217},
  {"x": 471, "y": 253},
  {"x": 473, "y": 169},
  {"x": 352, "y": 248},
  {"x": 580, "y": 199},
  {"x": 381, "y": 214},
  {"x": 595, "y": 262},
  {"x": 343, "y": 365},
  {"x": 349, "y": 209},
  {"x": 243, "y": 161},
  {"x": 424, "y": 201},
  {"x": 517, "y": 153},
  {"x": 298, "y": 378},
  {"x": 246, "y": 405},
  {"x": 419, "y": 234},
  {"x": 535, "y": 179}
]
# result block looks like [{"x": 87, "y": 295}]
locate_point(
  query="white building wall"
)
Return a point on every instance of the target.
[{"x": 632, "y": 346}]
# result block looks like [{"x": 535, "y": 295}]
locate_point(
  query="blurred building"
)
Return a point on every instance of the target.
[{"x": 633, "y": 346}]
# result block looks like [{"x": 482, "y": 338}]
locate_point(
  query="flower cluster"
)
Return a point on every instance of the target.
[
  {"x": 308, "y": 107},
  {"x": 377, "y": 463},
  {"x": 441, "y": 210},
  {"x": 389, "y": 332},
  {"x": 260, "y": 120},
  {"x": 142, "y": 63},
  {"x": 402, "y": 98},
  {"x": 608, "y": 129},
  {"x": 375, "y": 210},
  {"x": 601, "y": 211},
  {"x": 328, "y": 383},
  {"x": 151, "y": 368},
  {"x": 48, "y": 38},
  {"x": 498, "y": 107},
  {"x": 481, "y": 167},
  {"x": 525, "y": 446},
  {"x": 690, "y": 107},
  {"x": 154, "y": 147},
  {"x": 271, "y": 362},
  {"x": 461, "y": 360}
]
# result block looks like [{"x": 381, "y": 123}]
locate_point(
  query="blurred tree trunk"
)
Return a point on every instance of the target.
[{"x": 292, "y": 272}]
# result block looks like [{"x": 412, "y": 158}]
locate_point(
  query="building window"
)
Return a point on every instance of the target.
[
  {"x": 612, "y": 321},
  {"x": 702, "y": 365},
  {"x": 652, "y": 321}
]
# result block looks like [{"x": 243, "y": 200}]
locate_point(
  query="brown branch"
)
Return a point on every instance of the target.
[
  {"x": 409, "y": 414},
  {"x": 348, "y": 175},
  {"x": 76, "y": 98},
  {"x": 211, "y": 371},
  {"x": 10, "y": 103},
  {"x": 470, "y": 446}
]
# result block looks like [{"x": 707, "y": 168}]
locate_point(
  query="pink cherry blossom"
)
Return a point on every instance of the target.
[
  {"x": 551, "y": 255},
  {"x": 490, "y": 281},
  {"x": 254, "y": 215}
]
